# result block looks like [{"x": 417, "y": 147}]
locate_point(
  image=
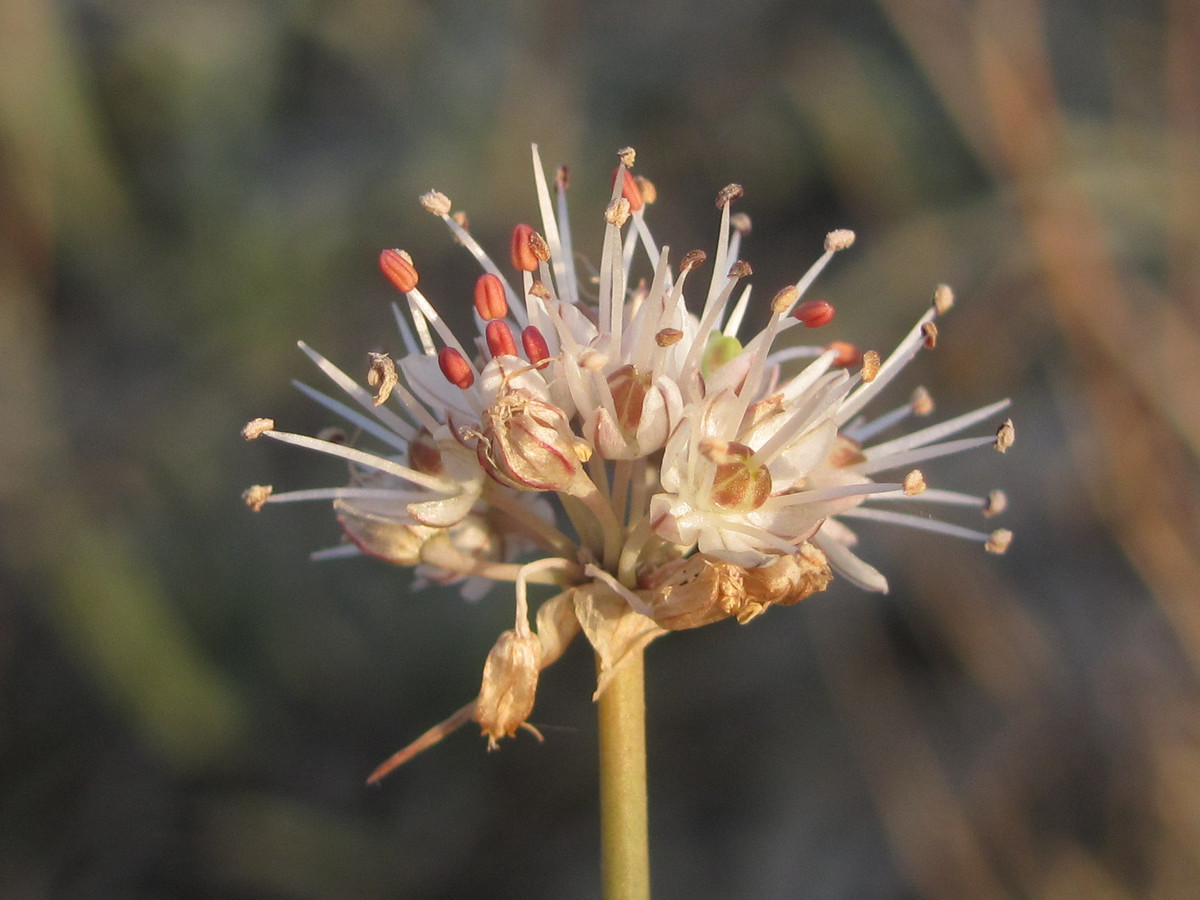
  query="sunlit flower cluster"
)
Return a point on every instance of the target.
[{"x": 659, "y": 467}]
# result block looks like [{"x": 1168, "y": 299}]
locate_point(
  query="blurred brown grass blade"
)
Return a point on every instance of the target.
[
  {"x": 1137, "y": 360},
  {"x": 933, "y": 839}
]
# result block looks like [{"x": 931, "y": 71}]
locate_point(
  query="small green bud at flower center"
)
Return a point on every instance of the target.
[{"x": 720, "y": 350}]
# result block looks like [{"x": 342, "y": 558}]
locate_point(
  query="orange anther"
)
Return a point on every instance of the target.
[
  {"x": 523, "y": 257},
  {"x": 398, "y": 267},
  {"x": 499, "y": 338},
  {"x": 456, "y": 369},
  {"x": 629, "y": 188},
  {"x": 814, "y": 313},
  {"x": 490, "y": 301},
  {"x": 536, "y": 349},
  {"x": 847, "y": 354}
]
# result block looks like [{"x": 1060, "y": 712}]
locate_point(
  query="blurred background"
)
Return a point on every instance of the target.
[{"x": 189, "y": 706}]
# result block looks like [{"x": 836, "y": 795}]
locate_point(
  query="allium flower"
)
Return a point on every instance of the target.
[{"x": 661, "y": 468}]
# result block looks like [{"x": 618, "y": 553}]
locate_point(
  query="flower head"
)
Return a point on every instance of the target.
[{"x": 659, "y": 465}]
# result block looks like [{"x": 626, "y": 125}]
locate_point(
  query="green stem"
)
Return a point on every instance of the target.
[{"x": 624, "y": 838}]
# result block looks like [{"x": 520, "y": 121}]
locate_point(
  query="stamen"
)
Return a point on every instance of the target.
[
  {"x": 499, "y": 339},
  {"x": 929, "y": 330},
  {"x": 398, "y": 267},
  {"x": 668, "y": 337},
  {"x": 455, "y": 367},
  {"x": 870, "y": 366},
  {"x": 814, "y": 313},
  {"x": 1006, "y": 435},
  {"x": 847, "y": 354},
  {"x": 629, "y": 189},
  {"x": 256, "y": 428},
  {"x": 943, "y": 299},
  {"x": 914, "y": 483},
  {"x": 520, "y": 252},
  {"x": 996, "y": 503},
  {"x": 256, "y": 495},
  {"x": 536, "y": 350},
  {"x": 382, "y": 376},
  {"x": 490, "y": 301},
  {"x": 999, "y": 541}
]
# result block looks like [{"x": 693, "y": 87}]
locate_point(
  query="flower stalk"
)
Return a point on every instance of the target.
[{"x": 624, "y": 831}]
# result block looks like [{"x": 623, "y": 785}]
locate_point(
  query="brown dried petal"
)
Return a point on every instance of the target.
[{"x": 509, "y": 687}]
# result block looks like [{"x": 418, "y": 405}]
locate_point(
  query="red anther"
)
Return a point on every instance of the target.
[
  {"x": 490, "y": 301},
  {"x": 456, "y": 369},
  {"x": 814, "y": 313},
  {"x": 523, "y": 257},
  {"x": 847, "y": 354},
  {"x": 499, "y": 338},
  {"x": 629, "y": 188},
  {"x": 399, "y": 268},
  {"x": 536, "y": 349}
]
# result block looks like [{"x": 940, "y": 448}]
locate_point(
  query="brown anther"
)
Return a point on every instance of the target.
[
  {"x": 424, "y": 455},
  {"x": 847, "y": 354},
  {"x": 628, "y": 156},
  {"x": 539, "y": 290},
  {"x": 257, "y": 428},
  {"x": 997, "y": 502},
  {"x": 562, "y": 178},
  {"x": 398, "y": 267},
  {"x": 536, "y": 350},
  {"x": 668, "y": 337},
  {"x": 943, "y": 299},
  {"x": 814, "y": 313},
  {"x": 691, "y": 259},
  {"x": 914, "y": 483},
  {"x": 740, "y": 222},
  {"x": 382, "y": 376},
  {"x": 646, "y": 188},
  {"x": 783, "y": 299},
  {"x": 1006, "y": 434},
  {"x": 728, "y": 194},
  {"x": 540, "y": 248},
  {"x": 629, "y": 188},
  {"x": 922, "y": 402},
  {"x": 256, "y": 495},
  {"x": 456, "y": 369},
  {"x": 931, "y": 335},
  {"x": 740, "y": 269},
  {"x": 522, "y": 255},
  {"x": 460, "y": 219},
  {"x": 839, "y": 239},
  {"x": 617, "y": 212},
  {"x": 870, "y": 366},
  {"x": 499, "y": 338},
  {"x": 436, "y": 202},
  {"x": 490, "y": 301},
  {"x": 999, "y": 541}
]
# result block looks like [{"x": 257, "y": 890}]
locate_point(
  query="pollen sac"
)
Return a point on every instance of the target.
[
  {"x": 629, "y": 395},
  {"x": 499, "y": 339},
  {"x": 522, "y": 255},
  {"x": 536, "y": 349},
  {"x": 509, "y": 688},
  {"x": 527, "y": 444},
  {"x": 490, "y": 301},
  {"x": 425, "y": 455},
  {"x": 398, "y": 267},
  {"x": 741, "y": 484},
  {"x": 814, "y": 313},
  {"x": 456, "y": 368},
  {"x": 630, "y": 189}
]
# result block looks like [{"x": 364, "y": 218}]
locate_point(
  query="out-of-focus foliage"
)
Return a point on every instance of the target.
[{"x": 188, "y": 705}]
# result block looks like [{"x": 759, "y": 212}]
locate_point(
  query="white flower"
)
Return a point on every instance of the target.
[{"x": 693, "y": 476}]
